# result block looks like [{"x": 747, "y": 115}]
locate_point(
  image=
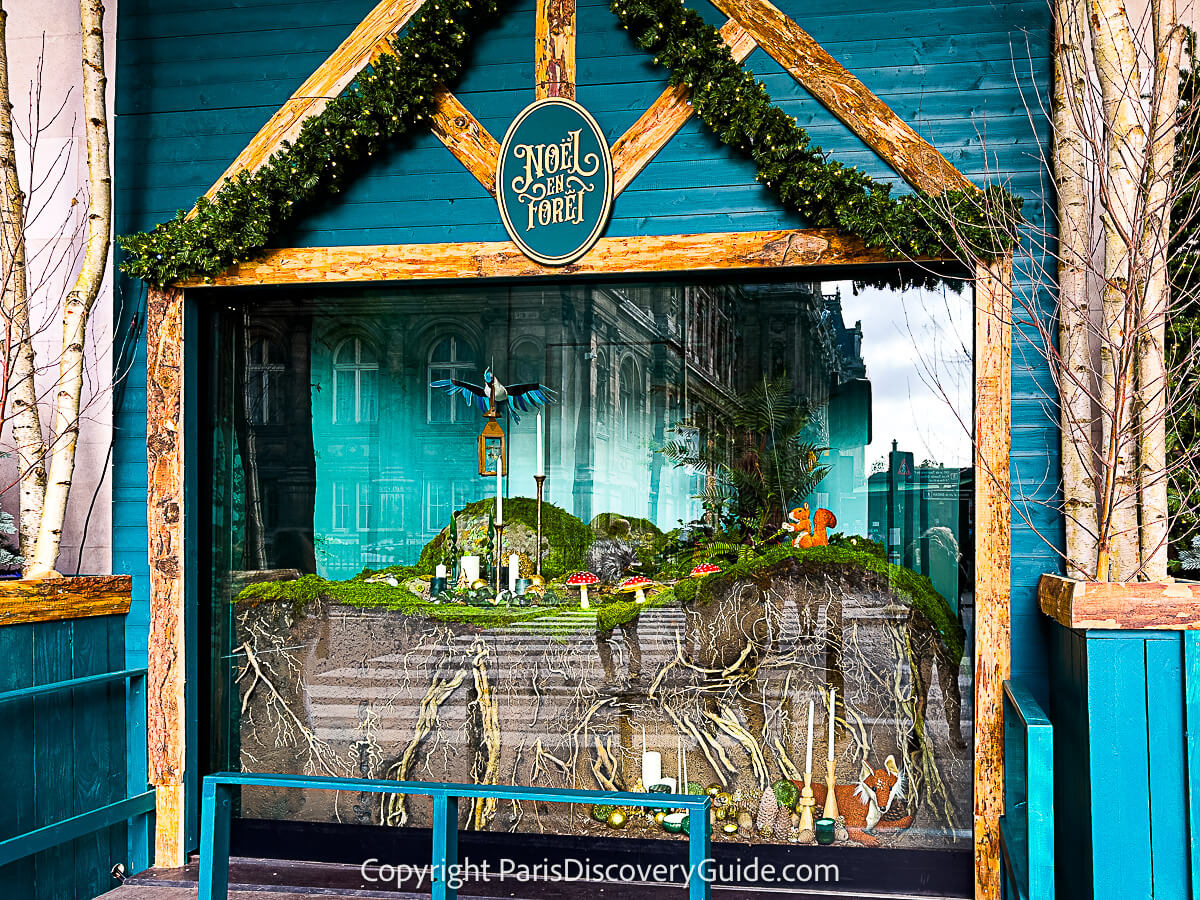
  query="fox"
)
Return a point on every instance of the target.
[{"x": 876, "y": 803}]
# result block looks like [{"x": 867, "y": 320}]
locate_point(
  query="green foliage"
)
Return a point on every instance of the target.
[
  {"x": 826, "y": 193},
  {"x": 568, "y": 537},
  {"x": 913, "y": 590},
  {"x": 858, "y": 542},
  {"x": 1183, "y": 326},
  {"x": 388, "y": 99},
  {"x": 761, "y": 465}
]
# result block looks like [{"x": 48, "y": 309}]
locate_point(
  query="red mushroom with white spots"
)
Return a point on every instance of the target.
[
  {"x": 636, "y": 585},
  {"x": 705, "y": 569},
  {"x": 581, "y": 580}
]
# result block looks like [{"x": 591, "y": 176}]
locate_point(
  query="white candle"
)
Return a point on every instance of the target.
[
  {"x": 683, "y": 782},
  {"x": 808, "y": 756},
  {"x": 499, "y": 492},
  {"x": 678, "y": 757},
  {"x": 651, "y": 768},
  {"x": 440, "y": 572},
  {"x": 514, "y": 563},
  {"x": 541, "y": 462},
  {"x": 832, "y": 718},
  {"x": 470, "y": 568}
]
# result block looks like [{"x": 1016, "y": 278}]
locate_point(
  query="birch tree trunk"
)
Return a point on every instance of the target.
[
  {"x": 14, "y": 304},
  {"x": 1124, "y": 147},
  {"x": 1076, "y": 376},
  {"x": 79, "y": 301},
  {"x": 1155, "y": 295}
]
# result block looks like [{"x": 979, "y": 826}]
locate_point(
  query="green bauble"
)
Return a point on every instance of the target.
[
  {"x": 786, "y": 792},
  {"x": 602, "y": 811}
]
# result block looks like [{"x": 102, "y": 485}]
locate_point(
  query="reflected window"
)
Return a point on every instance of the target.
[
  {"x": 355, "y": 382},
  {"x": 450, "y": 358},
  {"x": 264, "y": 382},
  {"x": 630, "y": 399}
]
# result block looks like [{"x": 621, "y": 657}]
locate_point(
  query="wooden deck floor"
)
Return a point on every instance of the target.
[{"x": 258, "y": 879}]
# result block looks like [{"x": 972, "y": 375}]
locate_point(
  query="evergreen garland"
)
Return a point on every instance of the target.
[
  {"x": 397, "y": 92},
  {"x": 386, "y": 100},
  {"x": 826, "y": 193}
]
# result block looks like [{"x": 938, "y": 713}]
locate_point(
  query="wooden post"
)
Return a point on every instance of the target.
[
  {"x": 165, "y": 713},
  {"x": 993, "y": 551},
  {"x": 554, "y": 49}
]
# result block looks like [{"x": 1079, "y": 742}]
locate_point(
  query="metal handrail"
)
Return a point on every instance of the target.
[
  {"x": 47, "y": 836},
  {"x": 55, "y": 687},
  {"x": 217, "y": 806},
  {"x": 1027, "y": 826}
]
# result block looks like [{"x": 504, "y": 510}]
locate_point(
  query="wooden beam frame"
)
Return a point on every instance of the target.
[
  {"x": 166, "y": 720},
  {"x": 993, "y": 559},
  {"x": 872, "y": 120},
  {"x": 502, "y": 259},
  {"x": 554, "y": 49}
]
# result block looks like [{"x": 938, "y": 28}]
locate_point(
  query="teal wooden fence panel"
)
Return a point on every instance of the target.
[
  {"x": 1127, "y": 770},
  {"x": 64, "y": 756}
]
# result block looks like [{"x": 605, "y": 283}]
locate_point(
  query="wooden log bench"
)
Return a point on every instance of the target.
[{"x": 217, "y": 803}]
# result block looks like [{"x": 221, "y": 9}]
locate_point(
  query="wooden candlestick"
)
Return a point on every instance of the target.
[
  {"x": 499, "y": 553},
  {"x": 831, "y": 807},
  {"x": 807, "y": 802}
]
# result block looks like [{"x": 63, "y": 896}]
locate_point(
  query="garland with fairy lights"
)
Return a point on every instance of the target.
[
  {"x": 398, "y": 91},
  {"x": 826, "y": 193},
  {"x": 389, "y": 97}
]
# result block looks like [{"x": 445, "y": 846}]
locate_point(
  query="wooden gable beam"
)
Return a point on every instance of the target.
[
  {"x": 466, "y": 138},
  {"x": 872, "y": 120},
  {"x": 650, "y": 133},
  {"x": 364, "y": 43},
  {"x": 554, "y": 49}
]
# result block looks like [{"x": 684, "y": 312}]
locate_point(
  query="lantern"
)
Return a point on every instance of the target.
[{"x": 491, "y": 448}]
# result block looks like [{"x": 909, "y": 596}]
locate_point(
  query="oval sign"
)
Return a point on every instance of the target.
[{"x": 554, "y": 181}]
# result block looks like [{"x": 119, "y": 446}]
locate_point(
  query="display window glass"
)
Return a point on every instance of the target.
[{"x": 755, "y": 525}]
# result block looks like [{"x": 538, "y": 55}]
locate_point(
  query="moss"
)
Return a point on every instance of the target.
[
  {"x": 915, "y": 591},
  {"x": 567, "y": 536},
  {"x": 610, "y": 615}
]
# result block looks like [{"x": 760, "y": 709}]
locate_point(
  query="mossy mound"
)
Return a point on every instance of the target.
[
  {"x": 913, "y": 590},
  {"x": 618, "y": 612},
  {"x": 566, "y": 538}
]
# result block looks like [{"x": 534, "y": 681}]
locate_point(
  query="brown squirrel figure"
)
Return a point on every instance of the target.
[{"x": 810, "y": 535}]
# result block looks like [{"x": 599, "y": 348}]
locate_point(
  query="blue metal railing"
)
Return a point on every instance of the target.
[
  {"x": 1027, "y": 826},
  {"x": 217, "y": 801},
  {"x": 133, "y": 806}
]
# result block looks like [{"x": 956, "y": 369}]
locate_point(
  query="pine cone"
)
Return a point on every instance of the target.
[{"x": 764, "y": 821}]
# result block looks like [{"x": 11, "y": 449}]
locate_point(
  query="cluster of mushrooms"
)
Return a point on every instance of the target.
[{"x": 635, "y": 584}]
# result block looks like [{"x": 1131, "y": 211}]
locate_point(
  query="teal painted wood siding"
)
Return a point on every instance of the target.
[
  {"x": 63, "y": 754},
  {"x": 197, "y": 78}
]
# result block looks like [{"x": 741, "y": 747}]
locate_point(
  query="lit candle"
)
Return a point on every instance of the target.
[
  {"x": 440, "y": 572},
  {"x": 832, "y": 718},
  {"x": 808, "y": 755},
  {"x": 514, "y": 562},
  {"x": 499, "y": 492},
  {"x": 541, "y": 462}
]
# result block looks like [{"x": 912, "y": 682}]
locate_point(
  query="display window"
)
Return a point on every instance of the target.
[{"x": 724, "y": 544}]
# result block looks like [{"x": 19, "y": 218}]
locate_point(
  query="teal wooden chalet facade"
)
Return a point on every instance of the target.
[{"x": 293, "y": 436}]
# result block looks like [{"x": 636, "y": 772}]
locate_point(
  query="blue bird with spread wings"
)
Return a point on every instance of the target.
[{"x": 519, "y": 396}]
